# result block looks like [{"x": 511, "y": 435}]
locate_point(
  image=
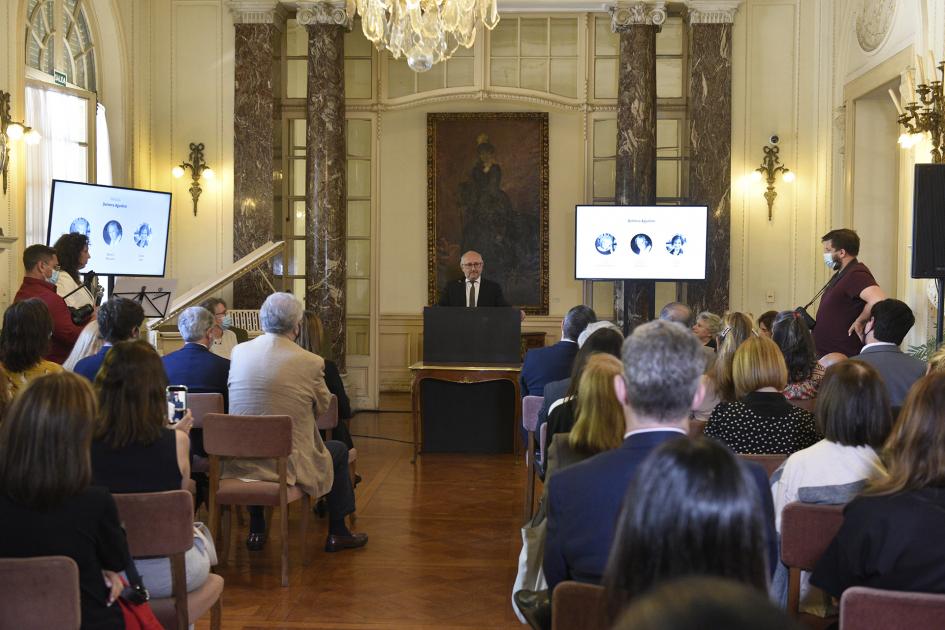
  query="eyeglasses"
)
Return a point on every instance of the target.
[{"x": 474, "y": 265}]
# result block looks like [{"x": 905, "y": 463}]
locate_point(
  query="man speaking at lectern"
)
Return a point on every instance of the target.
[{"x": 475, "y": 290}]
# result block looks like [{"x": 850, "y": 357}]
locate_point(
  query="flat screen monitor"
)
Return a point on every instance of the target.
[
  {"x": 640, "y": 242},
  {"x": 127, "y": 228}
]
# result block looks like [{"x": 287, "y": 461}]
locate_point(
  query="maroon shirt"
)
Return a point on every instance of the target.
[
  {"x": 65, "y": 332},
  {"x": 839, "y": 308}
]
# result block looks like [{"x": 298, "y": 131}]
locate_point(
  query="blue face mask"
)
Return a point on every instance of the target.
[
  {"x": 227, "y": 322},
  {"x": 54, "y": 278}
]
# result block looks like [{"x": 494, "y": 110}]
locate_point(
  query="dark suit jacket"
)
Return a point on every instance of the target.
[
  {"x": 552, "y": 392},
  {"x": 88, "y": 367},
  {"x": 584, "y": 502},
  {"x": 199, "y": 369},
  {"x": 543, "y": 365},
  {"x": 490, "y": 294},
  {"x": 898, "y": 369}
]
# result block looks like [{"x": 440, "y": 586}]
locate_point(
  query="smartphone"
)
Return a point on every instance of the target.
[{"x": 176, "y": 403}]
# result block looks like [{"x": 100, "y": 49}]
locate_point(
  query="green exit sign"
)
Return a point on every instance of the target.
[{"x": 60, "y": 77}]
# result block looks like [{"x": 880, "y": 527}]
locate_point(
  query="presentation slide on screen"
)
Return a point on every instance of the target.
[
  {"x": 127, "y": 229},
  {"x": 638, "y": 242}
]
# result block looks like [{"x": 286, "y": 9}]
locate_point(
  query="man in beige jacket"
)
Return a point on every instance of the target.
[{"x": 271, "y": 375}]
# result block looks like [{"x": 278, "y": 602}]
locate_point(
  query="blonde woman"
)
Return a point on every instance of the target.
[
  {"x": 719, "y": 386},
  {"x": 89, "y": 342},
  {"x": 761, "y": 420},
  {"x": 937, "y": 361}
]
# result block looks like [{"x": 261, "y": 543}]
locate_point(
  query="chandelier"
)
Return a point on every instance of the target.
[{"x": 425, "y": 31}]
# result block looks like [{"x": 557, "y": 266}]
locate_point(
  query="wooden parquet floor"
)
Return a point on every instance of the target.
[{"x": 443, "y": 549}]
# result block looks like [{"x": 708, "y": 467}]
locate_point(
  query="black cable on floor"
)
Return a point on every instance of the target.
[{"x": 377, "y": 437}]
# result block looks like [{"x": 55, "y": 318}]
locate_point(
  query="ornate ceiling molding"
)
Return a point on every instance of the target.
[
  {"x": 258, "y": 12},
  {"x": 624, "y": 15},
  {"x": 713, "y": 12},
  {"x": 328, "y": 12}
]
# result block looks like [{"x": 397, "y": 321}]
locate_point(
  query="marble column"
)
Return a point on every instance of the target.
[
  {"x": 326, "y": 163},
  {"x": 710, "y": 143},
  {"x": 637, "y": 24},
  {"x": 258, "y": 26}
]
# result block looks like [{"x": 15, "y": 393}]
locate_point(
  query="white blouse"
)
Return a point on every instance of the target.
[{"x": 76, "y": 295}]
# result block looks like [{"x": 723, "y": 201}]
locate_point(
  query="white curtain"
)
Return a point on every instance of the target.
[
  {"x": 103, "y": 149},
  {"x": 62, "y": 121}
]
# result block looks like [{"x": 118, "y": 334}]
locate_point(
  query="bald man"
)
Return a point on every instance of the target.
[{"x": 475, "y": 291}]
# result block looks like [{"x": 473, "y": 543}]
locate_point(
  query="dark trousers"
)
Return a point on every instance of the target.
[{"x": 340, "y": 498}]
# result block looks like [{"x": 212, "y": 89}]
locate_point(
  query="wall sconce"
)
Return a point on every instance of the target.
[
  {"x": 769, "y": 169},
  {"x": 11, "y": 131},
  {"x": 198, "y": 167}
]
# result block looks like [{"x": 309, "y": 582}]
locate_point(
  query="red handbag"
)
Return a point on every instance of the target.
[{"x": 138, "y": 616}]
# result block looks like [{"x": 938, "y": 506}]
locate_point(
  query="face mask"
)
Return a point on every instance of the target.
[
  {"x": 54, "y": 278},
  {"x": 227, "y": 322},
  {"x": 828, "y": 260}
]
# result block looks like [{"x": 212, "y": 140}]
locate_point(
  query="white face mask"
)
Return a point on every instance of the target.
[{"x": 828, "y": 260}]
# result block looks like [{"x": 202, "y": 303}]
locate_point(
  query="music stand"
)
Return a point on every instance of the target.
[{"x": 153, "y": 294}]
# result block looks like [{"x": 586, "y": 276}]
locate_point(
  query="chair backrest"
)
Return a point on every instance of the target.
[
  {"x": 577, "y": 606},
  {"x": 41, "y": 592},
  {"x": 806, "y": 531},
  {"x": 202, "y": 404},
  {"x": 806, "y": 405},
  {"x": 329, "y": 419},
  {"x": 157, "y": 523},
  {"x": 247, "y": 436},
  {"x": 696, "y": 428},
  {"x": 865, "y": 608},
  {"x": 769, "y": 462},
  {"x": 531, "y": 405}
]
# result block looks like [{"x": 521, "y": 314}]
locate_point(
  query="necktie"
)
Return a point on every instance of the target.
[{"x": 472, "y": 295}]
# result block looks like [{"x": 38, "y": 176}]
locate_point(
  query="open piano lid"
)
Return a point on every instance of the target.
[{"x": 237, "y": 270}]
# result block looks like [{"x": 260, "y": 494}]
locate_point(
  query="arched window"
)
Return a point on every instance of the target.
[{"x": 58, "y": 37}]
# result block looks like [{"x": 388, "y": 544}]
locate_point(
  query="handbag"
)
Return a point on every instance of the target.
[
  {"x": 802, "y": 310},
  {"x": 137, "y": 614},
  {"x": 80, "y": 315}
]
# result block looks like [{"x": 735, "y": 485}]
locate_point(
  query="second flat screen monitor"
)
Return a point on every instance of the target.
[{"x": 640, "y": 242}]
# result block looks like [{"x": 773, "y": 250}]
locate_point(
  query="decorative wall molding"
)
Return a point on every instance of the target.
[
  {"x": 258, "y": 12},
  {"x": 713, "y": 12},
  {"x": 873, "y": 23},
  {"x": 478, "y": 95},
  {"x": 326, "y": 12},
  {"x": 625, "y": 15}
]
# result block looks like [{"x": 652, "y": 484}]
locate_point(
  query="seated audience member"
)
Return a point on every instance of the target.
[
  {"x": 766, "y": 323},
  {"x": 682, "y": 314},
  {"x": 889, "y": 323},
  {"x": 311, "y": 338},
  {"x": 119, "y": 319},
  {"x": 719, "y": 386},
  {"x": 556, "y": 390},
  {"x": 24, "y": 340},
  {"x": 564, "y": 412},
  {"x": 47, "y": 507},
  {"x": 72, "y": 252},
  {"x": 761, "y": 420},
  {"x": 936, "y": 361},
  {"x": 552, "y": 363},
  {"x": 707, "y": 327},
  {"x": 696, "y": 603},
  {"x": 664, "y": 533},
  {"x": 891, "y": 534},
  {"x": 662, "y": 366},
  {"x": 800, "y": 356},
  {"x": 224, "y": 344},
  {"x": 854, "y": 416},
  {"x": 135, "y": 450},
  {"x": 194, "y": 365},
  {"x": 677, "y": 312},
  {"x": 88, "y": 343},
  {"x": 39, "y": 281},
  {"x": 292, "y": 384}
]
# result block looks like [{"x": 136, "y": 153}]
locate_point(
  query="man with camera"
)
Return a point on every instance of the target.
[{"x": 39, "y": 281}]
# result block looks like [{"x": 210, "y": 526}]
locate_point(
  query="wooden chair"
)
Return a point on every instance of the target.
[
  {"x": 531, "y": 405},
  {"x": 696, "y": 428},
  {"x": 769, "y": 462},
  {"x": 39, "y": 593},
  {"x": 252, "y": 437},
  {"x": 806, "y": 531},
  {"x": 328, "y": 421},
  {"x": 200, "y": 405},
  {"x": 863, "y": 608},
  {"x": 162, "y": 524},
  {"x": 577, "y": 606}
]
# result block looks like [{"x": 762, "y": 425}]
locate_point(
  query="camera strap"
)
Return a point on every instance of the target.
[{"x": 834, "y": 279}]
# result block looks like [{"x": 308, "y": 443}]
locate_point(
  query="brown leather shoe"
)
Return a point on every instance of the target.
[{"x": 338, "y": 543}]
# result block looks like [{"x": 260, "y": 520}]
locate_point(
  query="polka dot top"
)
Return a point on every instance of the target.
[{"x": 762, "y": 423}]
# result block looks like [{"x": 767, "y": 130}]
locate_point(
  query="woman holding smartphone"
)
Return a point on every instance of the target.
[{"x": 134, "y": 449}]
